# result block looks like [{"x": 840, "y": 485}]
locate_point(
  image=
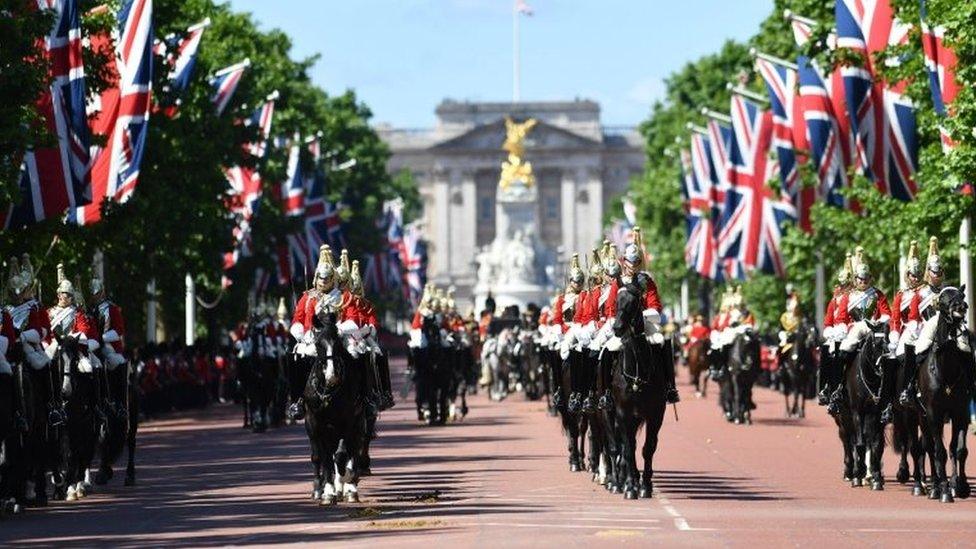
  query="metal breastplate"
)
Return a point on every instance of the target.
[{"x": 63, "y": 320}]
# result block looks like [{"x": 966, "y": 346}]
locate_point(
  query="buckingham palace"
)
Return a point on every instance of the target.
[{"x": 580, "y": 166}]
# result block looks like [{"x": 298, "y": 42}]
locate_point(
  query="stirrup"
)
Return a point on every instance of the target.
[
  {"x": 823, "y": 397},
  {"x": 55, "y": 416},
  {"x": 887, "y": 416},
  {"x": 296, "y": 411},
  {"x": 905, "y": 398},
  {"x": 605, "y": 402}
]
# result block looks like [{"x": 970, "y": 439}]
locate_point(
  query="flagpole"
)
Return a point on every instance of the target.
[
  {"x": 190, "y": 310},
  {"x": 820, "y": 299},
  {"x": 965, "y": 267},
  {"x": 516, "y": 69}
]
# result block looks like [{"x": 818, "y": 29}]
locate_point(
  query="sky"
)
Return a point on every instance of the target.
[{"x": 403, "y": 57}]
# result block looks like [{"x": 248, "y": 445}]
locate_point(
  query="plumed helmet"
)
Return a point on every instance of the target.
[
  {"x": 355, "y": 279},
  {"x": 64, "y": 285},
  {"x": 325, "y": 269},
  {"x": 15, "y": 280},
  {"x": 846, "y": 272},
  {"x": 343, "y": 270},
  {"x": 861, "y": 268},
  {"x": 933, "y": 263},
  {"x": 596, "y": 266},
  {"x": 79, "y": 294},
  {"x": 96, "y": 285},
  {"x": 913, "y": 265},
  {"x": 634, "y": 252},
  {"x": 576, "y": 274},
  {"x": 282, "y": 308},
  {"x": 451, "y": 303},
  {"x": 737, "y": 299},
  {"x": 610, "y": 263}
]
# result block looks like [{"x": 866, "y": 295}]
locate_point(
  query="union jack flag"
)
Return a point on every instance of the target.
[
  {"x": 180, "y": 53},
  {"x": 882, "y": 118},
  {"x": 54, "y": 179},
  {"x": 719, "y": 142},
  {"x": 415, "y": 261},
  {"x": 940, "y": 63},
  {"x": 788, "y": 134},
  {"x": 701, "y": 253},
  {"x": 123, "y": 112},
  {"x": 825, "y": 138},
  {"x": 292, "y": 191},
  {"x": 261, "y": 119},
  {"x": 382, "y": 272},
  {"x": 751, "y": 225},
  {"x": 225, "y": 83}
]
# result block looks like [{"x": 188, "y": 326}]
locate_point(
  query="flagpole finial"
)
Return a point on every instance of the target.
[
  {"x": 787, "y": 14},
  {"x": 753, "y": 52}
]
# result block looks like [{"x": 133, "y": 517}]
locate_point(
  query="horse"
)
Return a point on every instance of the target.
[
  {"x": 797, "y": 366},
  {"x": 944, "y": 393},
  {"x": 118, "y": 433},
  {"x": 907, "y": 442},
  {"x": 81, "y": 401},
  {"x": 14, "y": 424},
  {"x": 639, "y": 391},
  {"x": 527, "y": 354},
  {"x": 433, "y": 375},
  {"x": 574, "y": 425},
  {"x": 743, "y": 367},
  {"x": 335, "y": 417},
  {"x": 864, "y": 382},
  {"x": 697, "y": 359}
]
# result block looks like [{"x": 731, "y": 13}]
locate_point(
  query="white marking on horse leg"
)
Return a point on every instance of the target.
[{"x": 71, "y": 494}]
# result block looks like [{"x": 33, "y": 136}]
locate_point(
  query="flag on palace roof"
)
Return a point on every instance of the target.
[
  {"x": 54, "y": 179},
  {"x": 882, "y": 117},
  {"x": 751, "y": 225},
  {"x": 224, "y": 83},
  {"x": 123, "y": 111}
]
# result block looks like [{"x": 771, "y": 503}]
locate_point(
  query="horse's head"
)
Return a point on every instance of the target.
[
  {"x": 745, "y": 350},
  {"x": 952, "y": 304}
]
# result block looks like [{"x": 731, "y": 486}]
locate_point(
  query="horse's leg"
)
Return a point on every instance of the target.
[
  {"x": 630, "y": 457},
  {"x": 960, "y": 483},
  {"x": 876, "y": 438},
  {"x": 940, "y": 484},
  {"x": 330, "y": 495},
  {"x": 917, "y": 446},
  {"x": 651, "y": 431}
]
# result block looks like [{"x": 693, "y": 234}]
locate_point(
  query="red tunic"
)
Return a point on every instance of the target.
[
  {"x": 82, "y": 324},
  {"x": 7, "y": 331},
  {"x": 837, "y": 310},
  {"x": 698, "y": 331},
  {"x": 903, "y": 311},
  {"x": 109, "y": 318},
  {"x": 360, "y": 311},
  {"x": 652, "y": 299},
  {"x": 882, "y": 308},
  {"x": 609, "y": 309}
]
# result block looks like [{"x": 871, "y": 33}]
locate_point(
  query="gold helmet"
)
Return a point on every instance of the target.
[
  {"x": 846, "y": 272},
  {"x": 96, "y": 285},
  {"x": 725, "y": 303},
  {"x": 343, "y": 270},
  {"x": 79, "y": 294},
  {"x": 861, "y": 269},
  {"x": 610, "y": 263},
  {"x": 913, "y": 266},
  {"x": 933, "y": 263},
  {"x": 596, "y": 266},
  {"x": 16, "y": 282},
  {"x": 576, "y": 274},
  {"x": 737, "y": 299},
  {"x": 326, "y": 268},
  {"x": 64, "y": 285},
  {"x": 355, "y": 279},
  {"x": 451, "y": 303},
  {"x": 634, "y": 252}
]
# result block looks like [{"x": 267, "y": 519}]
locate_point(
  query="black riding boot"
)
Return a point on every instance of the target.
[
  {"x": 574, "y": 403},
  {"x": 909, "y": 362},
  {"x": 606, "y": 379},
  {"x": 556, "y": 373},
  {"x": 837, "y": 396},
  {"x": 590, "y": 361},
  {"x": 671, "y": 392},
  {"x": 826, "y": 364},
  {"x": 386, "y": 387},
  {"x": 888, "y": 386}
]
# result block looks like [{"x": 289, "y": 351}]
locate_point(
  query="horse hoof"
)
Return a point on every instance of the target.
[
  {"x": 961, "y": 489},
  {"x": 918, "y": 491},
  {"x": 316, "y": 494},
  {"x": 352, "y": 497},
  {"x": 575, "y": 468},
  {"x": 645, "y": 492},
  {"x": 630, "y": 494},
  {"x": 902, "y": 476},
  {"x": 328, "y": 500},
  {"x": 934, "y": 493},
  {"x": 856, "y": 482},
  {"x": 613, "y": 488},
  {"x": 877, "y": 486},
  {"x": 947, "y": 497}
]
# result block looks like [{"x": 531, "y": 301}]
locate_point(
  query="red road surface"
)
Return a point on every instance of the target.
[{"x": 499, "y": 479}]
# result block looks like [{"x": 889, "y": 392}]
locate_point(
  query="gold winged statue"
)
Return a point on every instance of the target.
[{"x": 515, "y": 169}]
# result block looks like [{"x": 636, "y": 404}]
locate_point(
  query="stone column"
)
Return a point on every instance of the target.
[
  {"x": 441, "y": 220},
  {"x": 568, "y": 210}
]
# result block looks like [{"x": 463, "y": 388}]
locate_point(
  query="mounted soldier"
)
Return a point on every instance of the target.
[
  {"x": 324, "y": 296},
  {"x": 68, "y": 320},
  {"x": 567, "y": 310},
  {"x": 110, "y": 332},
  {"x": 358, "y": 326},
  {"x": 865, "y": 303},
  {"x": 836, "y": 320},
  {"x": 906, "y": 321}
]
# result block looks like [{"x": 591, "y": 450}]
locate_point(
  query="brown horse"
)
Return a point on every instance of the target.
[{"x": 697, "y": 360}]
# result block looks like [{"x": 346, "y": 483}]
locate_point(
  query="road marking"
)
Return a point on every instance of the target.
[
  {"x": 550, "y": 526},
  {"x": 679, "y": 521}
]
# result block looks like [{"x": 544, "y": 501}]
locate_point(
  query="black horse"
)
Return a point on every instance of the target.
[
  {"x": 864, "y": 382},
  {"x": 118, "y": 432},
  {"x": 82, "y": 400},
  {"x": 639, "y": 390},
  {"x": 797, "y": 367},
  {"x": 743, "y": 368},
  {"x": 575, "y": 425},
  {"x": 335, "y": 417},
  {"x": 433, "y": 375},
  {"x": 944, "y": 386}
]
